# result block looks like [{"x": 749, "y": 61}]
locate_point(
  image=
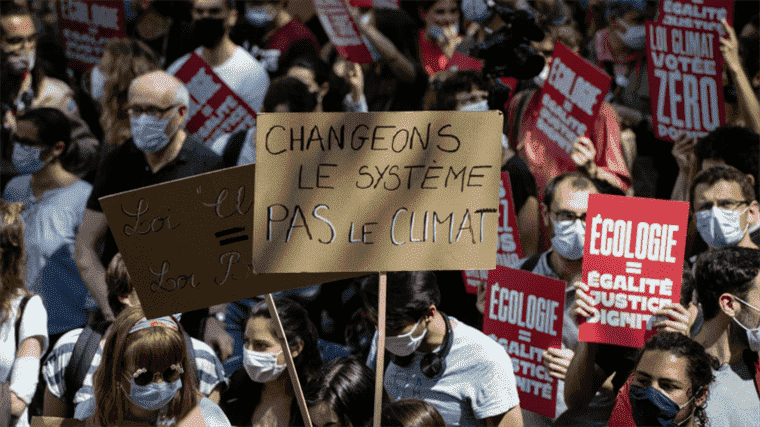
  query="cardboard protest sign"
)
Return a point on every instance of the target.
[
  {"x": 570, "y": 100},
  {"x": 524, "y": 314},
  {"x": 342, "y": 30},
  {"x": 696, "y": 14},
  {"x": 508, "y": 248},
  {"x": 187, "y": 243},
  {"x": 389, "y": 191},
  {"x": 684, "y": 67},
  {"x": 632, "y": 262},
  {"x": 86, "y": 28},
  {"x": 214, "y": 108}
]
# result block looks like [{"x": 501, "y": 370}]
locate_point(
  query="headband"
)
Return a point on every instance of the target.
[{"x": 165, "y": 321}]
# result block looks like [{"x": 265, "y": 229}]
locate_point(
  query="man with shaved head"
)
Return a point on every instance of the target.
[{"x": 160, "y": 150}]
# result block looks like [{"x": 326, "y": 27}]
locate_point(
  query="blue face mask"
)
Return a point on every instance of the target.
[
  {"x": 153, "y": 396},
  {"x": 26, "y": 159},
  {"x": 568, "y": 238},
  {"x": 476, "y": 10},
  {"x": 651, "y": 407},
  {"x": 149, "y": 133},
  {"x": 476, "y": 106},
  {"x": 259, "y": 16}
]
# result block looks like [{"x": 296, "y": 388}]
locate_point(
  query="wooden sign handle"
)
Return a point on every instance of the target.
[
  {"x": 289, "y": 361},
  {"x": 381, "y": 297}
]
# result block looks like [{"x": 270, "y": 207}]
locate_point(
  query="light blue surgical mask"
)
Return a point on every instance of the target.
[
  {"x": 259, "y": 16},
  {"x": 437, "y": 32},
  {"x": 634, "y": 36},
  {"x": 26, "y": 159},
  {"x": 476, "y": 106},
  {"x": 476, "y": 10},
  {"x": 568, "y": 238},
  {"x": 153, "y": 396},
  {"x": 149, "y": 133},
  {"x": 720, "y": 227}
]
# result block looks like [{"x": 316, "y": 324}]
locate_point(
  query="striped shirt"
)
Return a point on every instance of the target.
[{"x": 210, "y": 369}]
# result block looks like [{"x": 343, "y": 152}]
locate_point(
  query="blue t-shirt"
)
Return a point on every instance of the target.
[{"x": 50, "y": 229}]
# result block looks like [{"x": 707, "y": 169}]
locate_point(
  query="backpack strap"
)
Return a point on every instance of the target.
[
  {"x": 191, "y": 357},
  {"x": 80, "y": 362},
  {"x": 233, "y": 148},
  {"x": 20, "y": 315},
  {"x": 531, "y": 263}
]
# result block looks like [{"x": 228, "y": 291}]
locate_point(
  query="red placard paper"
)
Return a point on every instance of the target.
[
  {"x": 632, "y": 263},
  {"x": 685, "y": 81},
  {"x": 696, "y": 14},
  {"x": 214, "y": 108},
  {"x": 570, "y": 99},
  {"x": 524, "y": 314},
  {"x": 342, "y": 31},
  {"x": 86, "y": 28},
  {"x": 509, "y": 249}
]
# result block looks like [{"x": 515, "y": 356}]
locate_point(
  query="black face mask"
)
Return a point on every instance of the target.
[{"x": 208, "y": 32}]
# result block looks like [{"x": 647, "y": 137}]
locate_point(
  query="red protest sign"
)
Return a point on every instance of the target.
[
  {"x": 684, "y": 67},
  {"x": 570, "y": 99},
  {"x": 524, "y": 315},
  {"x": 87, "y": 26},
  {"x": 632, "y": 263},
  {"x": 509, "y": 249},
  {"x": 342, "y": 31},
  {"x": 214, "y": 108},
  {"x": 696, "y": 14}
]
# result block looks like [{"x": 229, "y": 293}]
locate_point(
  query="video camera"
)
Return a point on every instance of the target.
[{"x": 507, "y": 52}]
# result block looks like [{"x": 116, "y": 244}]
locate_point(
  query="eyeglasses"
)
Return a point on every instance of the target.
[
  {"x": 569, "y": 216},
  {"x": 143, "y": 377},
  {"x": 151, "y": 110},
  {"x": 722, "y": 204}
]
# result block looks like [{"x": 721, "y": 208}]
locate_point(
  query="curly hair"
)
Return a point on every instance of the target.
[
  {"x": 700, "y": 364},
  {"x": 12, "y": 255}
]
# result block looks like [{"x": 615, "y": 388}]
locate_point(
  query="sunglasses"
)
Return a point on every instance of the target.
[{"x": 143, "y": 377}]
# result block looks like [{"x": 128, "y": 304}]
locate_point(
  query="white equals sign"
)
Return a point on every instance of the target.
[
  {"x": 523, "y": 336},
  {"x": 633, "y": 267}
]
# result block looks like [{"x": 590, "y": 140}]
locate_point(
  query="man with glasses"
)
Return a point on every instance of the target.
[
  {"x": 160, "y": 150},
  {"x": 24, "y": 86},
  {"x": 212, "y": 22},
  {"x": 724, "y": 206}
]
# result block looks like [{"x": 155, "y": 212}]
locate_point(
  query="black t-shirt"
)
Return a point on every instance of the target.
[
  {"x": 125, "y": 169},
  {"x": 522, "y": 181}
]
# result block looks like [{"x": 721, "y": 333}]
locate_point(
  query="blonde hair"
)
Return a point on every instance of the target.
[
  {"x": 153, "y": 348},
  {"x": 122, "y": 62},
  {"x": 12, "y": 255}
]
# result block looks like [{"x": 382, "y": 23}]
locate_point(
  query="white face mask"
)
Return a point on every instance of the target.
[
  {"x": 19, "y": 63},
  {"x": 97, "y": 81},
  {"x": 634, "y": 36},
  {"x": 149, "y": 133},
  {"x": 404, "y": 345},
  {"x": 720, "y": 227},
  {"x": 476, "y": 106},
  {"x": 568, "y": 238},
  {"x": 261, "y": 367},
  {"x": 542, "y": 76},
  {"x": 259, "y": 16},
  {"x": 753, "y": 335}
]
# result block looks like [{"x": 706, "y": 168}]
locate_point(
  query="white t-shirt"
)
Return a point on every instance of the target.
[
  {"x": 33, "y": 323},
  {"x": 242, "y": 73},
  {"x": 733, "y": 400},
  {"x": 247, "y": 151},
  {"x": 477, "y": 382}
]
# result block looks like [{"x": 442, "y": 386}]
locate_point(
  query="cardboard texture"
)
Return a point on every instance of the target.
[
  {"x": 187, "y": 243},
  {"x": 509, "y": 249},
  {"x": 570, "y": 100},
  {"x": 524, "y": 314},
  {"x": 214, "y": 108},
  {"x": 377, "y": 191},
  {"x": 87, "y": 26},
  {"x": 684, "y": 66},
  {"x": 342, "y": 30},
  {"x": 632, "y": 262}
]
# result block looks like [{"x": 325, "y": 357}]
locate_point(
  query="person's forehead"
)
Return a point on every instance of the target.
[
  {"x": 17, "y": 26},
  {"x": 663, "y": 365},
  {"x": 259, "y": 328},
  {"x": 209, "y": 4},
  {"x": 150, "y": 92},
  {"x": 720, "y": 190},
  {"x": 570, "y": 198}
]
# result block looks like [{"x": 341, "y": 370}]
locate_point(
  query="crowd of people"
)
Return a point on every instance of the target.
[{"x": 74, "y": 342}]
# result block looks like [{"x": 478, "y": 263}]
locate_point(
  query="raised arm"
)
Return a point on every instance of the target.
[{"x": 90, "y": 237}]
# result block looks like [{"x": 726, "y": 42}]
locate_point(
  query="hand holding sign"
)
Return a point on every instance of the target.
[
  {"x": 557, "y": 360},
  {"x": 729, "y": 47},
  {"x": 584, "y": 155},
  {"x": 675, "y": 319}
]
